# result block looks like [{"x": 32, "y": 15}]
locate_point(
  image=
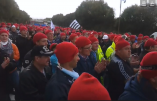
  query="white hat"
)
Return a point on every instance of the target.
[
  {"x": 105, "y": 37},
  {"x": 14, "y": 26}
]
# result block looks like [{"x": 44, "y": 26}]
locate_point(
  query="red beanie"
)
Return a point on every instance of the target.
[
  {"x": 38, "y": 36},
  {"x": 149, "y": 65},
  {"x": 92, "y": 38},
  {"x": 132, "y": 37},
  {"x": 140, "y": 35},
  {"x": 4, "y": 31},
  {"x": 112, "y": 36},
  {"x": 150, "y": 42},
  {"x": 121, "y": 43},
  {"x": 48, "y": 31},
  {"x": 145, "y": 37},
  {"x": 62, "y": 34},
  {"x": 65, "y": 52},
  {"x": 78, "y": 33},
  {"x": 39, "y": 29},
  {"x": 87, "y": 87},
  {"x": 72, "y": 36},
  {"x": 82, "y": 41},
  {"x": 23, "y": 28},
  {"x": 139, "y": 38},
  {"x": 53, "y": 44}
]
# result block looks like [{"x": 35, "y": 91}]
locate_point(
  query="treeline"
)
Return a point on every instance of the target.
[
  {"x": 10, "y": 12},
  {"x": 97, "y": 15}
]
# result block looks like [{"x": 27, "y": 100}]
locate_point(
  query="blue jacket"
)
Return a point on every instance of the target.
[
  {"x": 58, "y": 40},
  {"x": 86, "y": 65},
  {"x": 135, "y": 90},
  {"x": 54, "y": 63}
]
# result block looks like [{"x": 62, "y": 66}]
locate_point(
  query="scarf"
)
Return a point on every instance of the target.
[
  {"x": 73, "y": 74},
  {"x": 7, "y": 47}
]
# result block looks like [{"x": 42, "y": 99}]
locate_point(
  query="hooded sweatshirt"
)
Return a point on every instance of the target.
[{"x": 135, "y": 90}]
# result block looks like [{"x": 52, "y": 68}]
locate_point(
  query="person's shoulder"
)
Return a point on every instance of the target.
[{"x": 26, "y": 72}]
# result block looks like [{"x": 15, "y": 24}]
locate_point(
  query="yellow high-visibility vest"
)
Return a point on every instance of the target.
[
  {"x": 100, "y": 54},
  {"x": 110, "y": 50}
]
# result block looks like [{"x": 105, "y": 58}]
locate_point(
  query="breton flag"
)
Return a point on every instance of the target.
[
  {"x": 75, "y": 25},
  {"x": 124, "y": 1},
  {"x": 52, "y": 25}
]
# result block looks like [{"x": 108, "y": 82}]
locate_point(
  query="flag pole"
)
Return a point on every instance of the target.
[{"x": 119, "y": 16}]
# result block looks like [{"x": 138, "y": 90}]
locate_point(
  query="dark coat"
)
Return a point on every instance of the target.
[
  {"x": 135, "y": 90},
  {"x": 24, "y": 45},
  {"x": 142, "y": 54},
  {"x": 119, "y": 72},
  {"x": 58, "y": 87},
  {"x": 32, "y": 84},
  {"x": 87, "y": 65},
  {"x": 4, "y": 73}
]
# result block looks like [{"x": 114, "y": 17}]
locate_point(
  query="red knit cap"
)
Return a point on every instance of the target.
[
  {"x": 147, "y": 62},
  {"x": 38, "y": 36},
  {"x": 92, "y": 38},
  {"x": 48, "y": 31},
  {"x": 139, "y": 38},
  {"x": 39, "y": 29},
  {"x": 87, "y": 87},
  {"x": 72, "y": 36},
  {"x": 52, "y": 45},
  {"x": 78, "y": 33},
  {"x": 145, "y": 37},
  {"x": 82, "y": 41},
  {"x": 112, "y": 36},
  {"x": 65, "y": 52},
  {"x": 62, "y": 34},
  {"x": 140, "y": 35},
  {"x": 132, "y": 37},
  {"x": 150, "y": 42},
  {"x": 121, "y": 43},
  {"x": 4, "y": 31},
  {"x": 23, "y": 28}
]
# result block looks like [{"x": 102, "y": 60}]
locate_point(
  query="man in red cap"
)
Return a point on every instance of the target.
[
  {"x": 149, "y": 46},
  {"x": 24, "y": 44},
  {"x": 141, "y": 49},
  {"x": 73, "y": 38},
  {"x": 143, "y": 86},
  {"x": 39, "y": 39},
  {"x": 87, "y": 87},
  {"x": 49, "y": 34},
  {"x": 60, "y": 83},
  {"x": 87, "y": 62},
  {"x": 119, "y": 70},
  {"x": 61, "y": 38}
]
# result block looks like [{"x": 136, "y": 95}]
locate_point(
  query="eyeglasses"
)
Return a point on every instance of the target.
[{"x": 88, "y": 48}]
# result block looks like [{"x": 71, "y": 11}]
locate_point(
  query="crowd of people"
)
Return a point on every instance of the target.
[{"x": 40, "y": 63}]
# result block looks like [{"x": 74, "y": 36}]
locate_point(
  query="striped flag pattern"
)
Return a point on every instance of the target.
[{"x": 75, "y": 25}]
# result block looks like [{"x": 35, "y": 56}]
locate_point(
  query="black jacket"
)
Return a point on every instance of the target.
[
  {"x": 27, "y": 59},
  {"x": 4, "y": 95},
  {"x": 32, "y": 84},
  {"x": 143, "y": 53},
  {"x": 119, "y": 72},
  {"x": 13, "y": 36},
  {"x": 58, "y": 87},
  {"x": 24, "y": 45}
]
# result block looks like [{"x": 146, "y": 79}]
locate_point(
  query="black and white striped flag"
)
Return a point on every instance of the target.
[{"x": 75, "y": 25}]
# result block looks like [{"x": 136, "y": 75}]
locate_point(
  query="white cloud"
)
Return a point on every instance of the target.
[{"x": 48, "y": 8}]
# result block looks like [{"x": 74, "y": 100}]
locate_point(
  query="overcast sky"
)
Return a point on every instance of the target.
[{"x": 47, "y": 8}]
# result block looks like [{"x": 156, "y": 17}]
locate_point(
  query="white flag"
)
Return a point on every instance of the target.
[
  {"x": 75, "y": 25},
  {"x": 52, "y": 25},
  {"x": 124, "y": 1}
]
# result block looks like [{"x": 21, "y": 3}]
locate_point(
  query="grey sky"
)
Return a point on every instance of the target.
[{"x": 48, "y": 8}]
